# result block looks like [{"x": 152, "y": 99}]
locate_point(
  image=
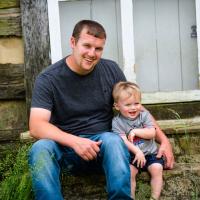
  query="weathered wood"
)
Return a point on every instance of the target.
[
  {"x": 36, "y": 39},
  {"x": 11, "y": 50},
  {"x": 13, "y": 119},
  {"x": 10, "y": 135},
  {"x": 9, "y": 3},
  {"x": 10, "y": 22},
  {"x": 12, "y": 81}
]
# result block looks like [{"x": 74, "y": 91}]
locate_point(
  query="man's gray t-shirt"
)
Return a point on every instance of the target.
[
  {"x": 122, "y": 125},
  {"x": 78, "y": 104}
]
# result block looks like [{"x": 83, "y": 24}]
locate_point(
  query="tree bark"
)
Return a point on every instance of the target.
[{"x": 35, "y": 30}]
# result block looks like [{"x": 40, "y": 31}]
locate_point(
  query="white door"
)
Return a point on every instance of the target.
[
  {"x": 165, "y": 50},
  {"x": 105, "y": 12}
]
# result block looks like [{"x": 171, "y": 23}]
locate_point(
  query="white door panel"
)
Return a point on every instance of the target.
[
  {"x": 103, "y": 11},
  {"x": 145, "y": 45},
  {"x": 166, "y": 55}
]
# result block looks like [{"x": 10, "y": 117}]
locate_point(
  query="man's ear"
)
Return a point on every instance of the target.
[
  {"x": 116, "y": 106},
  {"x": 72, "y": 42}
]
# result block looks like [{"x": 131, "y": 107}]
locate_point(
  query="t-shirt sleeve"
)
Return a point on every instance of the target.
[
  {"x": 42, "y": 96},
  {"x": 116, "y": 127},
  {"x": 147, "y": 120},
  {"x": 119, "y": 75}
]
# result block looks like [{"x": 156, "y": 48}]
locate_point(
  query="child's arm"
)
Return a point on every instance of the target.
[
  {"x": 145, "y": 133},
  {"x": 118, "y": 128},
  {"x": 146, "y": 130},
  {"x": 139, "y": 156}
]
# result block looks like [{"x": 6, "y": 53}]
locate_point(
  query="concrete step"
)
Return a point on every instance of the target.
[
  {"x": 181, "y": 183},
  {"x": 184, "y": 135},
  {"x": 170, "y": 127},
  {"x": 180, "y": 126},
  {"x": 179, "y": 110}
]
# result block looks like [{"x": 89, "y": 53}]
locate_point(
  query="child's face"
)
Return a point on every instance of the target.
[{"x": 129, "y": 107}]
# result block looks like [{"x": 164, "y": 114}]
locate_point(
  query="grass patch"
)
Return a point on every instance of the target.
[
  {"x": 15, "y": 177},
  {"x": 143, "y": 190}
]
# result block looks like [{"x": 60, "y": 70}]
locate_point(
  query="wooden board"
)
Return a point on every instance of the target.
[
  {"x": 12, "y": 81},
  {"x": 9, "y": 3},
  {"x": 10, "y": 22}
]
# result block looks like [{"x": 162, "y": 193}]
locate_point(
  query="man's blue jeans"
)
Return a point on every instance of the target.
[{"x": 47, "y": 158}]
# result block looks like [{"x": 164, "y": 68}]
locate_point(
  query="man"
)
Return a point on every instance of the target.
[{"x": 71, "y": 114}]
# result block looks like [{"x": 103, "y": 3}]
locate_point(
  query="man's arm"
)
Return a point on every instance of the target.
[
  {"x": 40, "y": 128},
  {"x": 165, "y": 148}
]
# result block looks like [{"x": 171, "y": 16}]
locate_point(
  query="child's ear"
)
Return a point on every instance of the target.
[{"x": 116, "y": 106}]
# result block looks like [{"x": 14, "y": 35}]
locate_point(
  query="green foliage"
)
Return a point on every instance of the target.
[
  {"x": 143, "y": 190},
  {"x": 5, "y": 165},
  {"x": 16, "y": 180}
]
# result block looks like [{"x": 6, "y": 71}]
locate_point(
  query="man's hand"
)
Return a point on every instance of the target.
[
  {"x": 86, "y": 148},
  {"x": 139, "y": 158},
  {"x": 165, "y": 150}
]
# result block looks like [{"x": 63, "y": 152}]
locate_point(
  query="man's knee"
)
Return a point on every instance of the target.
[
  {"x": 113, "y": 144},
  {"x": 42, "y": 145},
  {"x": 42, "y": 149},
  {"x": 109, "y": 138}
]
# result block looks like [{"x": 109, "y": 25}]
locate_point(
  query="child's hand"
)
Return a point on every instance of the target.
[
  {"x": 131, "y": 136},
  {"x": 140, "y": 159}
]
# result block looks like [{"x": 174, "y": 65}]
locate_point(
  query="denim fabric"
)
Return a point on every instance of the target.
[{"x": 47, "y": 158}]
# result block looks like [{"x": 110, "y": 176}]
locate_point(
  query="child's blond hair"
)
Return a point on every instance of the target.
[{"x": 125, "y": 89}]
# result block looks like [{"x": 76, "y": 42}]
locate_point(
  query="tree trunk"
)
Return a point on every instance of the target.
[{"x": 35, "y": 30}]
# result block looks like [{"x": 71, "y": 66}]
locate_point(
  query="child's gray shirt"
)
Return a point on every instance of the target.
[{"x": 122, "y": 125}]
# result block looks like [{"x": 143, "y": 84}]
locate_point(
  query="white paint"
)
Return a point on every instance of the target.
[
  {"x": 127, "y": 49},
  {"x": 198, "y": 33},
  {"x": 128, "y": 39},
  {"x": 171, "y": 97},
  {"x": 54, "y": 30}
]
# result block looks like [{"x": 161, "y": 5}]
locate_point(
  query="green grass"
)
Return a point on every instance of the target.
[
  {"x": 143, "y": 190},
  {"x": 15, "y": 180},
  {"x": 15, "y": 177}
]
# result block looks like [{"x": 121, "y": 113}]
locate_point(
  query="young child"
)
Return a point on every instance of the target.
[{"x": 135, "y": 126}]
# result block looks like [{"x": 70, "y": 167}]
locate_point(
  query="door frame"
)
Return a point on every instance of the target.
[{"x": 127, "y": 27}]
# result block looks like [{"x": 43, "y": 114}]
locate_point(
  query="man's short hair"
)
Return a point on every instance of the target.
[{"x": 93, "y": 28}]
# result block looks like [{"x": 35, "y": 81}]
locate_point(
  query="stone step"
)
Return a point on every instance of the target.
[
  {"x": 170, "y": 127},
  {"x": 180, "y": 126},
  {"x": 184, "y": 135},
  {"x": 181, "y": 183},
  {"x": 179, "y": 110}
]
